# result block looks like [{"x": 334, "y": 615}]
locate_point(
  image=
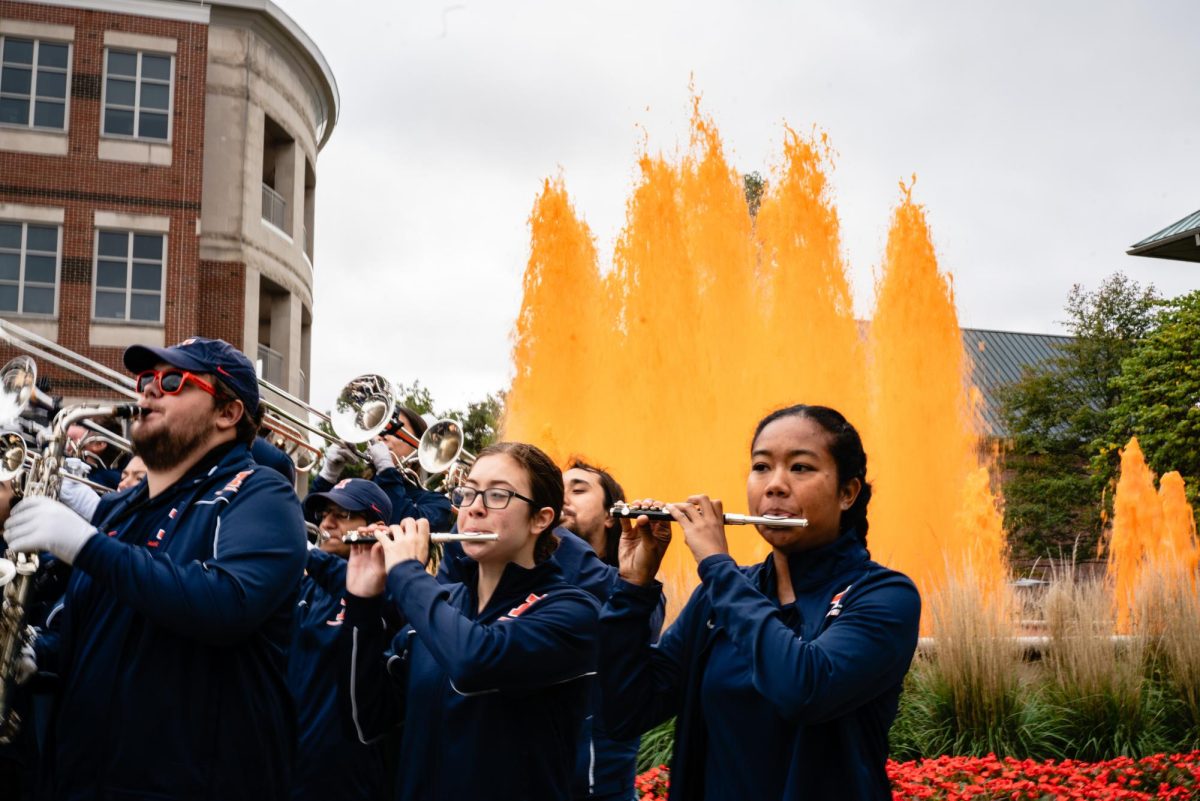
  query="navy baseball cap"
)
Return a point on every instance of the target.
[
  {"x": 200, "y": 355},
  {"x": 353, "y": 495}
]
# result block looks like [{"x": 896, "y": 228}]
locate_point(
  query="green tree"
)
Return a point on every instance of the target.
[
  {"x": 754, "y": 185},
  {"x": 481, "y": 422},
  {"x": 1057, "y": 412},
  {"x": 1157, "y": 392}
]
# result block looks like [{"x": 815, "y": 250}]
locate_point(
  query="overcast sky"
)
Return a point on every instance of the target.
[{"x": 1046, "y": 137}]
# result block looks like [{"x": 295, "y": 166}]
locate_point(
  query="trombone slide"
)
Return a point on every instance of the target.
[{"x": 633, "y": 512}]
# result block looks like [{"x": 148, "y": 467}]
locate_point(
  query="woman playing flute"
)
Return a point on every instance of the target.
[
  {"x": 785, "y": 675},
  {"x": 490, "y": 676}
]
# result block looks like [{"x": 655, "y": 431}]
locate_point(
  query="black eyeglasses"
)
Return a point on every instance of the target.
[{"x": 494, "y": 498}]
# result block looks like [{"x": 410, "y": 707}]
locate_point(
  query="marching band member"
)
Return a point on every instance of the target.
[
  {"x": 266, "y": 454},
  {"x": 785, "y": 676},
  {"x": 604, "y": 767},
  {"x": 134, "y": 472},
  {"x": 102, "y": 457},
  {"x": 313, "y": 663},
  {"x": 177, "y": 618},
  {"x": 408, "y": 499},
  {"x": 490, "y": 676}
]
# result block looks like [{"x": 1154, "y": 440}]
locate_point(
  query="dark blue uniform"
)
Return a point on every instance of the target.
[
  {"x": 174, "y": 638},
  {"x": 347, "y": 769},
  {"x": 604, "y": 766},
  {"x": 408, "y": 500},
  {"x": 268, "y": 455},
  {"x": 791, "y": 702},
  {"x": 492, "y": 701}
]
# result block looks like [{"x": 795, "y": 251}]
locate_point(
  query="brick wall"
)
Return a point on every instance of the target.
[{"x": 201, "y": 298}]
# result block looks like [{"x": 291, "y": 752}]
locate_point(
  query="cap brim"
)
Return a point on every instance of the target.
[{"x": 139, "y": 358}]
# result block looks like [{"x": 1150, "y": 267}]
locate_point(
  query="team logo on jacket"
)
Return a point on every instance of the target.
[
  {"x": 835, "y": 606},
  {"x": 236, "y": 483},
  {"x": 341, "y": 616},
  {"x": 517, "y": 611},
  {"x": 156, "y": 539}
]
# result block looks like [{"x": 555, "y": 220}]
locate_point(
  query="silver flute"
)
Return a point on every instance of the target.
[
  {"x": 366, "y": 538},
  {"x": 770, "y": 521}
]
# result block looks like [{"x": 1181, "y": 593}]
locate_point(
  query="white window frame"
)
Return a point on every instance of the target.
[
  {"x": 37, "y": 44},
  {"x": 129, "y": 290},
  {"x": 21, "y": 282},
  {"x": 136, "y": 108}
]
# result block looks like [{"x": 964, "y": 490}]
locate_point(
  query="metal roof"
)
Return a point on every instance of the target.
[
  {"x": 1180, "y": 241},
  {"x": 998, "y": 358}
]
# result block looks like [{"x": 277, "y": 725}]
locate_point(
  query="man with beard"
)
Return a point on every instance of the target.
[
  {"x": 326, "y": 739},
  {"x": 177, "y": 619}
]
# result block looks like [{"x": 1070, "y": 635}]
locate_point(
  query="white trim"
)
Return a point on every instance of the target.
[
  {"x": 184, "y": 12},
  {"x": 38, "y": 30},
  {"x": 145, "y": 223},
  {"x": 19, "y": 212},
  {"x": 497, "y": 689},
  {"x": 136, "y": 108},
  {"x": 138, "y": 41},
  {"x": 135, "y": 151},
  {"x": 129, "y": 290},
  {"x": 43, "y": 141},
  {"x": 362, "y": 738},
  {"x": 217, "y": 538},
  {"x": 49, "y": 146},
  {"x": 22, "y": 283},
  {"x": 121, "y": 335}
]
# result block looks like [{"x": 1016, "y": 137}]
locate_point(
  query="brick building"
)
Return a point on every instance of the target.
[{"x": 158, "y": 176}]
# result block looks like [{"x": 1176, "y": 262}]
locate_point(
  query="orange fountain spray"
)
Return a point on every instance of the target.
[
  {"x": 1153, "y": 535},
  {"x": 709, "y": 319},
  {"x": 934, "y": 510}
]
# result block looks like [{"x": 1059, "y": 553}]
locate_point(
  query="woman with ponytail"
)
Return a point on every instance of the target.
[{"x": 784, "y": 676}]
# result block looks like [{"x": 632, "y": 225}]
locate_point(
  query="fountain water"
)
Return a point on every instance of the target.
[{"x": 709, "y": 318}]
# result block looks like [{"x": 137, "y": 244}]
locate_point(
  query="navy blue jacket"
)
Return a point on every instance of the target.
[
  {"x": 811, "y": 688},
  {"x": 331, "y": 763},
  {"x": 492, "y": 702},
  {"x": 268, "y": 455},
  {"x": 174, "y": 636},
  {"x": 604, "y": 767},
  {"x": 408, "y": 500}
]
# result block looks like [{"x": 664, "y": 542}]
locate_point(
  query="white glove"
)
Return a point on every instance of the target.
[
  {"x": 44, "y": 524},
  {"x": 81, "y": 498},
  {"x": 380, "y": 456},
  {"x": 336, "y": 458},
  {"x": 77, "y": 467},
  {"x": 26, "y": 663}
]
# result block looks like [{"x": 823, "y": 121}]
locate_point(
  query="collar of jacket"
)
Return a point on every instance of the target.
[
  {"x": 219, "y": 460},
  {"x": 810, "y": 569},
  {"x": 516, "y": 582}
]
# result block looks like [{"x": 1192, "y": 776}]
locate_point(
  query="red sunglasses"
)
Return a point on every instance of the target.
[{"x": 171, "y": 381}]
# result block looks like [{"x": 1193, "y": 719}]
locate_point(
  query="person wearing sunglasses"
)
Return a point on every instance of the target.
[
  {"x": 490, "y": 676},
  {"x": 314, "y": 660},
  {"x": 177, "y": 619}
]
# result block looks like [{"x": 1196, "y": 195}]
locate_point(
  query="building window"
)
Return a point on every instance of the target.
[
  {"x": 28, "y": 268},
  {"x": 33, "y": 83},
  {"x": 137, "y": 94},
  {"x": 130, "y": 270}
]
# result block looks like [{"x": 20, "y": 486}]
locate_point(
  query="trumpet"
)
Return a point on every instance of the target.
[
  {"x": 367, "y": 407},
  {"x": 769, "y": 521}
]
